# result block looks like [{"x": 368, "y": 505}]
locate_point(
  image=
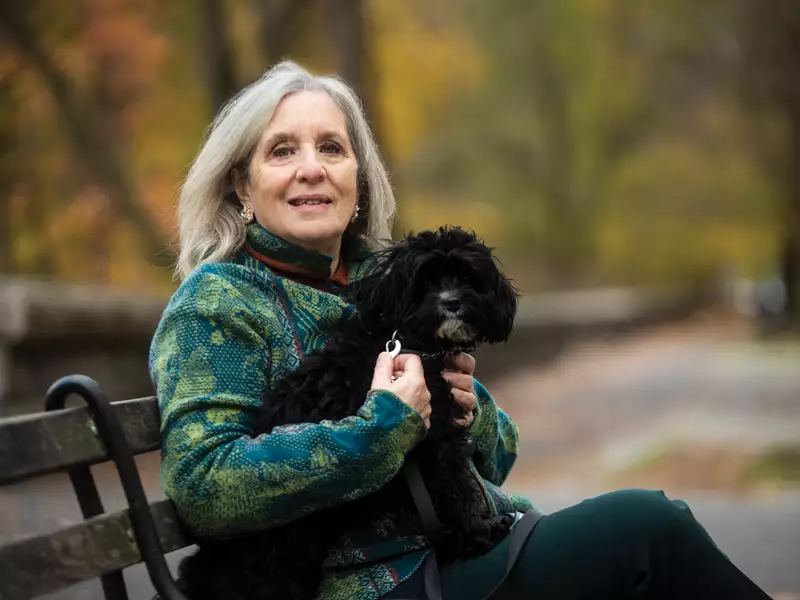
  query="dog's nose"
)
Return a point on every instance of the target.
[{"x": 451, "y": 305}]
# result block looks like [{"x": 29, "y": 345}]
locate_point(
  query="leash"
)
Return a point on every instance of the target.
[
  {"x": 431, "y": 525},
  {"x": 519, "y": 535},
  {"x": 434, "y": 530}
]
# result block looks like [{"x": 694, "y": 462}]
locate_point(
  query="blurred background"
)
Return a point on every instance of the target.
[{"x": 635, "y": 162}]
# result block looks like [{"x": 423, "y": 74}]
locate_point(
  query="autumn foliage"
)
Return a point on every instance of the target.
[{"x": 594, "y": 142}]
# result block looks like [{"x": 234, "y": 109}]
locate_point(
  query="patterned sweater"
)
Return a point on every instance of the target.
[{"x": 229, "y": 333}]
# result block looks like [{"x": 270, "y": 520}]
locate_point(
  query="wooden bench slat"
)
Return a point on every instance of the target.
[
  {"x": 40, "y": 443},
  {"x": 45, "y": 563}
]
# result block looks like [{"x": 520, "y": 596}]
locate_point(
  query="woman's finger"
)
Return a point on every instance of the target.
[
  {"x": 466, "y": 420},
  {"x": 383, "y": 371},
  {"x": 465, "y": 400},
  {"x": 464, "y": 362},
  {"x": 460, "y": 381},
  {"x": 409, "y": 363},
  {"x": 425, "y": 413}
]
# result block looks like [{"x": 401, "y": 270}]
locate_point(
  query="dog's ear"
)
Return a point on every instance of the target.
[
  {"x": 385, "y": 293},
  {"x": 365, "y": 290},
  {"x": 506, "y": 298}
]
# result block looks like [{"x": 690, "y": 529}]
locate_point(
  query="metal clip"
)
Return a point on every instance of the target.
[{"x": 393, "y": 346}]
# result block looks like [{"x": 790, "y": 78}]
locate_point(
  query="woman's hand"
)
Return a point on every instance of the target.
[
  {"x": 405, "y": 378},
  {"x": 460, "y": 376}
]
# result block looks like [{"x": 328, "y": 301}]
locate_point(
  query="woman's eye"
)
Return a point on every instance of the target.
[
  {"x": 281, "y": 151},
  {"x": 330, "y": 148}
]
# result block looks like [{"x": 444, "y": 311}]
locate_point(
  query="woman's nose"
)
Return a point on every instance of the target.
[{"x": 310, "y": 168}]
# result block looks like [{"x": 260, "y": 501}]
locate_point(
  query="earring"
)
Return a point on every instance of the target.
[
  {"x": 247, "y": 213},
  {"x": 355, "y": 214}
]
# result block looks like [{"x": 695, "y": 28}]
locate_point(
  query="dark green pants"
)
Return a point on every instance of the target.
[{"x": 626, "y": 544}]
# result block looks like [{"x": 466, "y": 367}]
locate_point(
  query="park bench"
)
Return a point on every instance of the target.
[{"x": 71, "y": 440}]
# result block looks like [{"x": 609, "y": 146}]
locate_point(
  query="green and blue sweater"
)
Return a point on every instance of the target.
[{"x": 229, "y": 333}]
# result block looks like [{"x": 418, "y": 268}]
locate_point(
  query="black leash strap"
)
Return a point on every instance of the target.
[
  {"x": 434, "y": 530},
  {"x": 422, "y": 499},
  {"x": 518, "y": 536},
  {"x": 433, "y": 585},
  {"x": 430, "y": 524}
]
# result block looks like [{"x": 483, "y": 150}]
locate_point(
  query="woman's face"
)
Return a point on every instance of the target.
[{"x": 302, "y": 180}]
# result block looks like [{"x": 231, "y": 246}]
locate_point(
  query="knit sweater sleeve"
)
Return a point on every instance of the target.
[
  {"x": 497, "y": 438},
  {"x": 209, "y": 361}
]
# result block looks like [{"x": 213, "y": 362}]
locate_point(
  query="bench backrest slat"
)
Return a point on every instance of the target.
[
  {"x": 40, "y": 443},
  {"x": 45, "y": 563}
]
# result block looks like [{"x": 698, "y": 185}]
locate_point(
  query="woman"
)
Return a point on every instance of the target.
[{"x": 282, "y": 202}]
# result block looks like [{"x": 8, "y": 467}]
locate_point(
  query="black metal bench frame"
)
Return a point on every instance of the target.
[
  {"x": 101, "y": 546},
  {"x": 105, "y": 543}
]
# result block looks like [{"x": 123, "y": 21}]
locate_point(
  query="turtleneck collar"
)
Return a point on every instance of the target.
[{"x": 295, "y": 262}]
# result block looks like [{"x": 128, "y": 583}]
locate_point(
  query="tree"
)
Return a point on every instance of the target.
[
  {"x": 555, "y": 121},
  {"x": 605, "y": 144},
  {"x": 217, "y": 53},
  {"x": 90, "y": 140},
  {"x": 279, "y": 24},
  {"x": 7, "y": 174},
  {"x": 346, "y": 21},
  {"x": 770, "y": 32}
]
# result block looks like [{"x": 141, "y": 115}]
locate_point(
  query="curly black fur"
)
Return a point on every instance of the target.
[{"x": 422, "y": 288}]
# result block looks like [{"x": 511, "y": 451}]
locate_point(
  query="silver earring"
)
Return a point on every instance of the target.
[
  {"x": 355, "y": 214},
  {"x": 247, "y": 213}
]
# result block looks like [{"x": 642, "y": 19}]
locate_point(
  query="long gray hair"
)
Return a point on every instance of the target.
[{"x": 209, "y": 223}]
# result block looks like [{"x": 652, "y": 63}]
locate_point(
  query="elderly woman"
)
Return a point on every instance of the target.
[{"x": 282, "y": 202}]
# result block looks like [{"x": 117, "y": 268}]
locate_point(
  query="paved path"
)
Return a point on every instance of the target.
[{"x": 706, "y": 390}]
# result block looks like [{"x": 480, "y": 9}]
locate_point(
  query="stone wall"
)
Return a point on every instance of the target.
[
  {"x": 548, "y": 323},
  {"x": 51, "y": 329}
]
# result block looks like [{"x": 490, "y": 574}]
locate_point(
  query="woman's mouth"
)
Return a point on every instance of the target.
[{"x": 310, "y": 201}]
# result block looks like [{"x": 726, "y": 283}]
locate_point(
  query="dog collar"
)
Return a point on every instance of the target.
[
  {"x": 441, "y": 353},
  {"x": 394, "y": 347}
]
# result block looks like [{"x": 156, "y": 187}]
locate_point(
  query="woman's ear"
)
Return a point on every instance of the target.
[{"x": 239, "y": 180}]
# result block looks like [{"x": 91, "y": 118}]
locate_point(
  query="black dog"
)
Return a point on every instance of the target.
[{"x": 438, "y": 293}]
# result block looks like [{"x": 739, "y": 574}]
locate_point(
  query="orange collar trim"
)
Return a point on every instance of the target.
[{"x": 339, "y": 277}]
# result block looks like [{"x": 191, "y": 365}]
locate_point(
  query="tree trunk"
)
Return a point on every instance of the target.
[
  {"x": 790, "y": 263},
  {"x": 346, "y": 19},
  {"x": 277, "y": 26},
  {"x": 771, "y": 34},
  {"x": 217, "y": 53},
  {"x": 7, "y": 144}
]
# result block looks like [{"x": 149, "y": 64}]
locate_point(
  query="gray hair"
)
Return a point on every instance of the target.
[{"x": 210, "y": 226}]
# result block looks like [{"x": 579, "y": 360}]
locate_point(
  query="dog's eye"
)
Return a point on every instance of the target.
[{"x": 469, "y": 278}]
